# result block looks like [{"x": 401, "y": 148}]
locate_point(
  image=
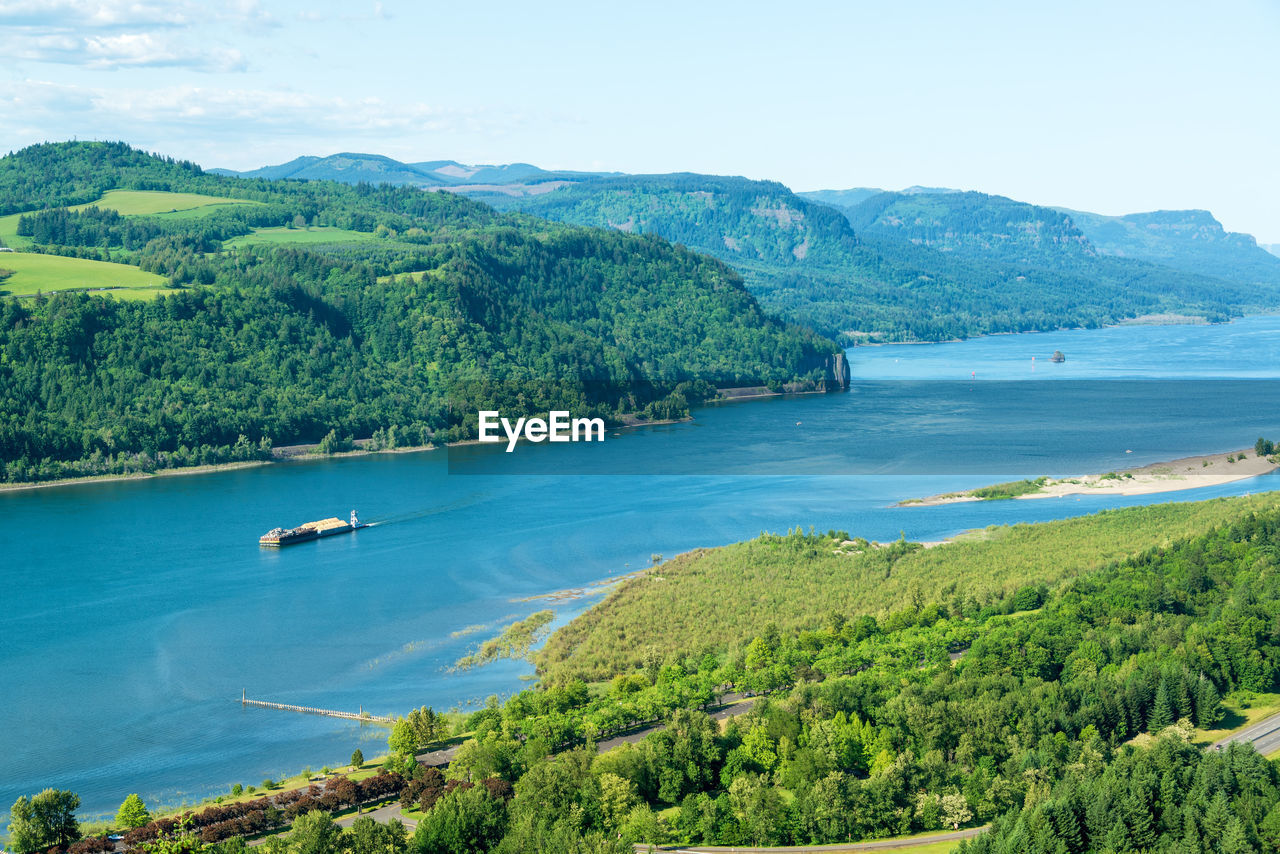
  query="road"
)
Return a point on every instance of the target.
[
  {"x": 382, "y": 815},
  {"x": 1264, "y": 736},
  {"x": 732, "y": 706},
  {"x": 878, "y": 845}
]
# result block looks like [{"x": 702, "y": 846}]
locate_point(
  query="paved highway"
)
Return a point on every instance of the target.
[
  {"x": 879, "y": 845},
  {"x": 1264, "y": 735}
]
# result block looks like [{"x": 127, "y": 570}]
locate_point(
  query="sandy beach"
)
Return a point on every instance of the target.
[{"x": 1185, "y": 473}]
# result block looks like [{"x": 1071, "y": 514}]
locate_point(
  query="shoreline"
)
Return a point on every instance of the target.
[
  {"x": 283, "y": 454},
  {"x": 1173, "y": 476},
  {"x": 1141, "y": 320}
]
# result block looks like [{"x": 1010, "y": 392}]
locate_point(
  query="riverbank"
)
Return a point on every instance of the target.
[
  {"x": 1173, "y": 476},
  {"x": 137, "y": 475},
  {"x": 305, "y": 453}
]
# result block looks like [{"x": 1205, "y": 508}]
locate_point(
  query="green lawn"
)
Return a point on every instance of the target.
[
  {"x": 34, "y": 272},
  {"x": 930, "y": 848},
  {"x": 142, "y": 202},
  {"x": 9, "y": 232},
  {"x": 322, "y": 234}
]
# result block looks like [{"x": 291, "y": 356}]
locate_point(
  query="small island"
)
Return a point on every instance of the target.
[
  {"x": 1057, "y": 356},
  {"x": 1186, "y": 473}
]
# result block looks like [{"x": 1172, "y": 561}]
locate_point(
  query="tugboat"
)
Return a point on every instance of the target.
[{"x": 277, "y": 537}]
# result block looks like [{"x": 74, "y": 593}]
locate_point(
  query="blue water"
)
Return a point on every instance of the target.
[{"x": 136, "y": 612}]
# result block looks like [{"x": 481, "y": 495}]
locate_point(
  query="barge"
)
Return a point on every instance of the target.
[{"x": 277, "y": 537}]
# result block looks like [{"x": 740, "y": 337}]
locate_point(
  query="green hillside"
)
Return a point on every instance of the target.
[
  {"x": 1062, "y": 714},
  {"x": 913, "y": 266},
  {"x": 710, "y": 599},
  {"x": 289, "y": 342}
]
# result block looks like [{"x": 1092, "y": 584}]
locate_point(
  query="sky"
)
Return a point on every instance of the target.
[{"x": 1113, "y": 107}]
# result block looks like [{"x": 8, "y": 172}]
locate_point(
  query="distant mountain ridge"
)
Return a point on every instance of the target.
[
  {"x": 733, "y": 218},
  {"x": 975, "y": 225},
  {"x": 923, "y": 263},
  {"x": 858, "y": 195},
  {"x": 898, "y": 266},
  {"x": 356, "y": 168},
  {"x": 1190, "y": 240}
]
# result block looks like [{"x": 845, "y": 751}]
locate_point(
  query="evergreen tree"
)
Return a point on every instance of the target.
[
  {"x": 1161, "y": 709},
  {"x": 1208, "y": 704},
  {"x": 132, "y": 813}
]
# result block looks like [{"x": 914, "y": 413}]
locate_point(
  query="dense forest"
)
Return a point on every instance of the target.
[
  {"x": 1071, "y": 716},
  {"x": 450, "y": 308},
  {"x": 896, "y": 267}
]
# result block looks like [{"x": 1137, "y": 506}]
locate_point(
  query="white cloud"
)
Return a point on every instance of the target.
[
  {"x": 115, "y": 34},
  {"x": 119, "y": 50},
  {"x": 95, "y": 14},
  {"x": 72, "y": 15},
  {"x": 211, "y": 123}
]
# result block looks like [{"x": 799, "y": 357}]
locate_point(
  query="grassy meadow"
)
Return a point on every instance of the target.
[
  {"x": 133, "y": 203},
  {"x": 146, "y": 202},
  {"x": 34, "y": 272},
  {"x": 9, "y": 232},
  {"x": 713, "y": 598}
]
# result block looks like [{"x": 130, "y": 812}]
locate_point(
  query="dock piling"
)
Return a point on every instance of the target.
[{"x": 307, "y": 710}]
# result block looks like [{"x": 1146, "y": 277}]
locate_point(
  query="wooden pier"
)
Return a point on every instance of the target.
[{"x": 362, "y": 715}]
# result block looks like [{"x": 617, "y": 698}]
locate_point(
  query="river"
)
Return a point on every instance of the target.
[{"x": 137, "y": 611}]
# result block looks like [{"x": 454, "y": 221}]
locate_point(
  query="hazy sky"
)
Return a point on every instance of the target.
[{"x": 1114, "y": 106}]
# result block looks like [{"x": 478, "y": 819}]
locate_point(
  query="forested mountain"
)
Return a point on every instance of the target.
[
  {"x": 347, "y": 167},
  {"x": 914, "y": 266},
  {"x": 737, "y": 219},
  {"x": 928, "y": 263},
  {"x": 425, "y": 308},
  {"x": 43, "y": 176},
  {"x": 841, "y": 198},
  {"x": 975, "y": 225},
  {"x": 1185, "y": 240},
  {"x": 353, "y": 168},
  {"x": 858, "y": 195}
]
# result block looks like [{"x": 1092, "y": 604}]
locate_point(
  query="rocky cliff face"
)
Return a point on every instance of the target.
[{"x": 838, "y": 371}]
